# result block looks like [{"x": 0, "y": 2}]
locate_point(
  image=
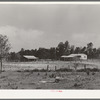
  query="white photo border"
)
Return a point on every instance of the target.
[{"x": 50, "y": 94}]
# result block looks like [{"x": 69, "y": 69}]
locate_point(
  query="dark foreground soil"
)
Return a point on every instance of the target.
[{"x": 43, "y": 80}]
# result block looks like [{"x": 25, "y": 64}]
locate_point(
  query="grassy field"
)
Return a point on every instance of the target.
[
  {"x": 23, "y": 75},
  {"x": 43, "y": 80},
  {"x": 13, "y": 66}
]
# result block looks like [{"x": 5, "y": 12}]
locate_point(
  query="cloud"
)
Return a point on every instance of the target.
[
  {"x": 19, "y": 37},
  {"x": 81, "y": 39},
  {"x": 32, "y": 38}
]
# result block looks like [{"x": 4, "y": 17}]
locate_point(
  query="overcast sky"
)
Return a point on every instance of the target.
[{"x": 33, "y": 26}]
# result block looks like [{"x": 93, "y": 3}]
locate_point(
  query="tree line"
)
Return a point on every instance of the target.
[{"x": 55, "y": 53}]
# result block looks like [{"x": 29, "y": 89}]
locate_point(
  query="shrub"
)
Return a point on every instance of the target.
[
  {"x": 64, "y": 70},
  {"x": 43, "y": 70},
  {"x": 89, "y": 69}
]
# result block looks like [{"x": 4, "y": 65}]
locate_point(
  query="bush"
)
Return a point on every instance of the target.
[
  {"x": 95, "y": 69},
  {"x": 19, "y": 71},
  {"x": 43, "y": 70},
  {"x": 34, "y": 70},
  {"x": 81, "y": 70},
  {"x": 89, "y": 69},
  {"x": 64, "y": 70}
]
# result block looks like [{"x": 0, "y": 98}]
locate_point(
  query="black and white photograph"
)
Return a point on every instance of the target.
[{"x": 49, "y": 46}]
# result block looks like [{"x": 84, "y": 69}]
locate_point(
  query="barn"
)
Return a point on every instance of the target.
[
  {"x": 29, "y": 58},
  {"x": 74, "y": 57}
]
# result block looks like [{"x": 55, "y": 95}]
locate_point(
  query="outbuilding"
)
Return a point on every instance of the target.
[
  {"x": 74, "y": 57},
  {"x": 29, "y": 58}
]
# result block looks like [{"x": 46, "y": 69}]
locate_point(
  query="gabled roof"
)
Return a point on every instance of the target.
[
  {"x": 29, "y": 57},
  {"x": 64, "y": 56},
  {"x": 72, "y": 55}
]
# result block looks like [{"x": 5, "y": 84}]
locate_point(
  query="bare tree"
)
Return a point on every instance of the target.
[{"x": 4, "y": 47}]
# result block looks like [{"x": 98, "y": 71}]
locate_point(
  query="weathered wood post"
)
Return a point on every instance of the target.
[
  {"x": 0, "y": 64},
  {"x": 75, "y": 66},
  {"x": 85, "y": 67},
  {"x": 86, "y": 70},
  {"x": 47, "y": 68},
  {"x": 55, "y": 68},
  {"x": 68, "y": 66}
]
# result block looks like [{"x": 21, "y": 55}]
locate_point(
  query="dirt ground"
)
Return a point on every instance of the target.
[{"x": 43, "y": 80}]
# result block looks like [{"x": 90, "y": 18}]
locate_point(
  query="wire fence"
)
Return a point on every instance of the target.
[{"x": 50, "y": 65}]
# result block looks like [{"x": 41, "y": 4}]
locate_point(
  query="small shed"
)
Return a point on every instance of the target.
[
  {"x": 30, "y": 58},
  {"x": 74, "y": 57}
]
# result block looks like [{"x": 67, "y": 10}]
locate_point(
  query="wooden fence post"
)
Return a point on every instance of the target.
[
  {"x": 47, "y": 67},
  {"x": 1, "y": 65},
  {"x": 55, "y": 68}
]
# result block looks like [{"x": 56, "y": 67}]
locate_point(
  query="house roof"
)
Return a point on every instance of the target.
[
  {"x": 64, "y": 56},
  {"x": 72, "y": 55},
  {"x": 29, "y": 57}
]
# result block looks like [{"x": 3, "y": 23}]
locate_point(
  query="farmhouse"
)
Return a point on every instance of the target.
[
  {"x": 29, "y": 58},
  {"x": 74, "y": 57}
]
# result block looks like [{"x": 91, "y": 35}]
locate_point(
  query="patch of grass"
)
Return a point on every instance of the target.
[
  {"x": 34, "y": 70},
  {"x": 64, "y": 70},
  {"x": 89, "y": 69},
  {"x": 27, "y": 70},
  {"x": 43, "y": 70},
  {"x": 77, "y": 85},
  {"x": 19, "y": 71},
  {"x": 38, "y": 88},
  {"x": 52, "y": 75}
]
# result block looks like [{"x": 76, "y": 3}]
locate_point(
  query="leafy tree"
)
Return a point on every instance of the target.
[
  {"x": 72, "y": 49},
  {"x": 94, "y": 52},
  {"x": 52, "y": 53},
  {"x": 89, "y": 45},
  {"x": 14, "y": 56},
  {"x": 90, "y": 50},
  {"x": 77, "y": 50},
  {"x": 98, "y": 53},
  {"x": 21, "y": 52},
  {"x": 83, "y": 50},
  {"x": 43, "y": 53},
  {"x": 56, "y": 52},
  {"x": 4, "y": 47},
  {"x": 60, "y": 49},
  {"x": 66, "y": 48}
]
